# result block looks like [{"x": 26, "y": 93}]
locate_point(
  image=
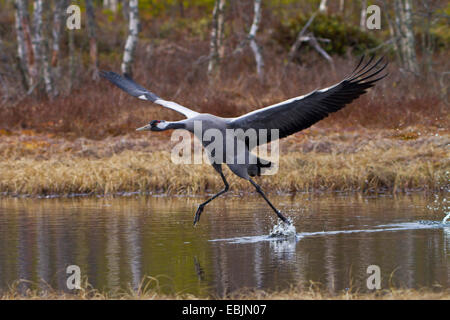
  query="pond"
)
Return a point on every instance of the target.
[{"x": 118, "y": 241}]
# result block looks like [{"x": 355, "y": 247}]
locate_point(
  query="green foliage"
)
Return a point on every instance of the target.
[
  {"x": 342, "y": 34},
  {"x": 441, "y": 34},
  {"x": 198, "y": 28},
  {"x": 159, "y": 7}
]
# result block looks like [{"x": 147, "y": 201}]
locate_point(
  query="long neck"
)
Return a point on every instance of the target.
[{"x": 174, "y": 125}]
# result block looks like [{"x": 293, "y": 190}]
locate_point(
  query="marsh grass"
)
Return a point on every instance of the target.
[
  {"x": 149, "y": 290},
  {"x": 318, "y": 161}
]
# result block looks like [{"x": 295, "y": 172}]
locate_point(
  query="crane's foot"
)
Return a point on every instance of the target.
[
  {"x": 283, "y": 218},
  {"x": 198, "y": 213}
]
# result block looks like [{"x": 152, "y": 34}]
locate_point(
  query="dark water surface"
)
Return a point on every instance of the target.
[{"x": 118, "y": 241}]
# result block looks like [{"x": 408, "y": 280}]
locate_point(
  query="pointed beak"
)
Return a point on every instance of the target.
[{"x": 144, "y": 128}]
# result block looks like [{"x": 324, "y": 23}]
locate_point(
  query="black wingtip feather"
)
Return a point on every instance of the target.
[
  {"x": 373, "y": 74},
  {"x": 377, "y": 79},
  {"x": 361, "y": 69},
  {"x": 368, "y": 71},
  {"x": 359, "y": 75},
  {"x": 127, "y": 84},
  {"x": 356, "y": 68}
]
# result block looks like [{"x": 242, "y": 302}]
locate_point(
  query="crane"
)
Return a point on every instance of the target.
[{"x": 288, "y": 117}]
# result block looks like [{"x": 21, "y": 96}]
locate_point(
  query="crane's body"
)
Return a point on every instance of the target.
[{"x": 286, "y": 118}]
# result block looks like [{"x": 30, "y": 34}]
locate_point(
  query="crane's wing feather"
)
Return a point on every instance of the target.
[
  {"x": 128, "y": 85},
  {"x": 299, "y": 113}
]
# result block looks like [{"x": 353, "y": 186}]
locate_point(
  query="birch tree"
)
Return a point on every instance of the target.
[
  {"x": 221, "y": 31},
  {"x": 323, "y": 6},
  {"x": 25, "y": 45},
  {"x": 111, "y": 5},
  {"x": 342, "y": 6},
  {"x": 252, "y": 35},
  {"x": 131, "y": 43},
  {"x": 303, "y": 36},
  {"x": 93, "y": 52},
  {"x": 31, "y": 59},
  {"x": 405, "y": 35},
  {"x": 71, "y": 59},
  {"x": 40, "y": 46},
  {"x": 299, "y": 39},
  {"x": 58, "y": 16},
  {"x": 3, "y": 61},
  {"x": 37, "y": 36},
  {"x": 216, "y": 50},
  {"x": 362, "y": 21},
  {"x": 251, "y": 39},
  {"x": 21, "y": 46}
]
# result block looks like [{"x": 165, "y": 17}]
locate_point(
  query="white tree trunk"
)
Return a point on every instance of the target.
[
  {"x": 46, "y": 65},
  {"x": 410, "y": 39},
  {"x": 216, "y": 50},
  {"x": 71, "y": 59},
  {"x": 252, "y": 35},
  {"x": 37, "y": 34},
  {"x": 323, "y": 6},
  {"x": 405, "y": 33},
  {"x": 111, "y": 5},
  {"x": 133, "y": 32},
  {"x": 362, "y": 21},
  {"x": 22, "y": 7},
  {"x": 58, "y": 16},
  {"x": 21, "y": 45},
  {"x": 341, "y": 6},
  {"x": 40, "y": 46},
  {"x": 220, "y": 29}
]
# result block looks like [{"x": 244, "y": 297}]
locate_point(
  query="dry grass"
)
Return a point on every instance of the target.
[
  {"x": 145, "y": 292},
  {"x": 362, "y": 160}
]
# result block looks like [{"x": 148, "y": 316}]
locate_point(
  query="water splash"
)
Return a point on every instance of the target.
[
  {"x": 444, "y": 221},
  {"x": 282, "y": 233},
  {"x": 283, "y": 230},
  {"x": 441, "y": 205}
]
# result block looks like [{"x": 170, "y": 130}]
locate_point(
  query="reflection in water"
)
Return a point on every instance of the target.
[
  {"x": 43, "y": 247},
  {"x": 447, "y": 240},
  {"x": 118, "y": 241},
  {"x": 284, "y": 249},
  {"x": 113, "y": 251},
  {"x": 134, "y": 251},
  {"x": 198, "y": 269}
]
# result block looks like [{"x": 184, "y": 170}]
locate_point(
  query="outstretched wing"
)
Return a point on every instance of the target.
[
  {"x": 128, "y": 85},
  {"x": 299, "y": 113}
]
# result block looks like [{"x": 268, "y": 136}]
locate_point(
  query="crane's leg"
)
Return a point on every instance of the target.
[
  {"x": 202, "y": 205},
  {"x": 279, "y": 214}
]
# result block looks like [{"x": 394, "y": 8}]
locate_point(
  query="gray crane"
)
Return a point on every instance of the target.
[{"x": 287, "y": 117}]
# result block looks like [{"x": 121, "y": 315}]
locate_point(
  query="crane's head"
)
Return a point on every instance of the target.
[{"x": 154, "y": 125}]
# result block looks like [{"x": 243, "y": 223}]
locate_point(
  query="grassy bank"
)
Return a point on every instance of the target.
[
  {"x": 359, "y": 160},
  {"x": 289, "y": 294}
]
